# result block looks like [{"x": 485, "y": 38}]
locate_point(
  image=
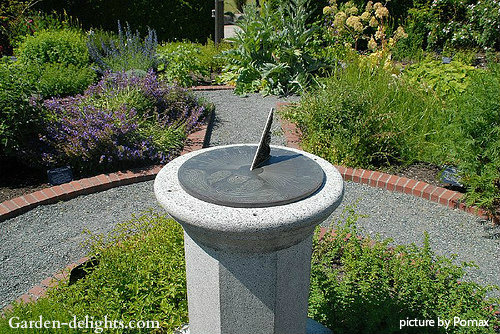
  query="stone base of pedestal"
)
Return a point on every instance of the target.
[
  {"x": 248, "y": 293},
  {"x": 312, "y": 327}
]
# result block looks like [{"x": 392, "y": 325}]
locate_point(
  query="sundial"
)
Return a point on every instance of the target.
[{"x": 246, "y": 176}]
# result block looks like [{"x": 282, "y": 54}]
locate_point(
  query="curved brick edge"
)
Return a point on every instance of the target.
[
  {"x": 449, "y": 198},
  {"x": 66, "y": 191},
  {"x": 11, "y": 208},
  {"x": 195, "y": 141}
]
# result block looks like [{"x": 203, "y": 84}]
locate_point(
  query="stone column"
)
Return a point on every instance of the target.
[{"x": 248, "y": 268}]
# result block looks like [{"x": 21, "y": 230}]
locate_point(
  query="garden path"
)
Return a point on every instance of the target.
[{"x": 37, "y": 244}]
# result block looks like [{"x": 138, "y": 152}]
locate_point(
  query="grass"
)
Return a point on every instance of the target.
[{"x": 357, "y": 285}]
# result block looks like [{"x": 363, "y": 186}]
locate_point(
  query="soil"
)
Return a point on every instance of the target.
[
  {"x": 420, "y": 171},
  {"x": 17, "y": 180}
]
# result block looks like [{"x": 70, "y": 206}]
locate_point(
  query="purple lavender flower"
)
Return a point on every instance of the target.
[{"x": 119, "y": 122}]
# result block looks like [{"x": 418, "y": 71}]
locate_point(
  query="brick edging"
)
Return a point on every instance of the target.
[
  {"x": 16, "y": 206},
  {"x": 446, "y": 197}
]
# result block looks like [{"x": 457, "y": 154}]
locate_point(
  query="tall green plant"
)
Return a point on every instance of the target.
[
  {"x": 272, "y": 52},
  {"x": 363, "y": 116},
  {"x": 472, "y": 137}
]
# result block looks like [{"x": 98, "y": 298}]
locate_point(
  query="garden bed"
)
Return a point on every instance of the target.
[{"x": 357, "y": 285}]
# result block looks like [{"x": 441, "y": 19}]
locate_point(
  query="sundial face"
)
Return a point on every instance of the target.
[{"x": 223, "y": 176}]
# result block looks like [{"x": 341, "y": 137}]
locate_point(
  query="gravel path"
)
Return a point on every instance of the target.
[{"x": 40, "y": 242}]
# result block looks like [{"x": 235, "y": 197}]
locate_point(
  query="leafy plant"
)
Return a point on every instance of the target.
[
  {"x": 127, "y": 52},
  {"x": 472, "y": 137},
  {"x": 447, "y": 80},
  {"x": 60, "y": 80},
  {"x": 182, "y": 64},
  {"x": 456, "y": 23},
  {"x": 361, "y": 285},
  {"x": 272, "y": 51},
  {"x": 122, "y": 121},
  {"x": 66, "y": 46},
  {"x": 186, "y": 63},
  {"x": 19, "y": 119}
]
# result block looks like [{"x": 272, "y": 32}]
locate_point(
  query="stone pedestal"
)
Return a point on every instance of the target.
[{"x": 248, "y": 268}]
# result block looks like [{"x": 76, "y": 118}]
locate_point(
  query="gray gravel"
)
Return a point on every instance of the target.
[
  {"x": 39, "y": 243},
  {"x": 241, "y": 119}
]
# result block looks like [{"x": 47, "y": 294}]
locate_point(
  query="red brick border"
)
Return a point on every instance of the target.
[
  {"x": 446, "y": 197},
  {"x": 16, "y": 206},
  {"x": 19, "y": 205},
  {"x": 196, "y": 141}
]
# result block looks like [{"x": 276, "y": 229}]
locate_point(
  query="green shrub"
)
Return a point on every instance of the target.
[
  {"x": 20, "y": 86},
  {"x": 456, "y": 23},
  {"x": 447, "y": 80},
  {"x": 472, "y": 134},
  {"x": 60, "y": 80},
  {"x": 365, "y": 117},
  {"x": 19, "y": 120},
  {"x": 272, "y": 52},
  {"x": 365, "y": 286},
  {"x": 181, "y": 64},
  {"x": 188, "y": 63},
  {"x": 55, "y": 46},
  {"x": 140, "y": 276}
]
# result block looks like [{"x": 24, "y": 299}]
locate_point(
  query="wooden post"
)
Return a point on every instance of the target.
[{"x": 219, "y": 21}]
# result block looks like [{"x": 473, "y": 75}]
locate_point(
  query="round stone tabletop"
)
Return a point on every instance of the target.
[{"x": 248, "y": 229}]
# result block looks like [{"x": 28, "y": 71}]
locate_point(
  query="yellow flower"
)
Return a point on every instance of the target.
[
  {"x": 365, "y": 16},
  {"x": 369, "y": 6},
  {"x": 377, "y": 5},
  {"x": 400, "y": 33},
  {"x": 379, "y": 34},
  {"x": 381, "y": 12},
  {"x": 355, "y": 23},
  {"x": 339, "y": 19},
  {"x": 373, "y": 22},
  {"x": 351, "y": 11},
  {"x": 372, "y": 45},
  {"x": 327, "y": 10}
]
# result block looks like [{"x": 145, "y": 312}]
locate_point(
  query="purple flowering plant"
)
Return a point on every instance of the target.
[{"x": 122, "y": 121}]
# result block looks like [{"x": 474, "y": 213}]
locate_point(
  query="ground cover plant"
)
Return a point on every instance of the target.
[
  {"x": 122, "y": 121},
  {"x": 140, "y": 276},
  {"x": 361, "y": 285},
  {"x": 357, "y": 285}
]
